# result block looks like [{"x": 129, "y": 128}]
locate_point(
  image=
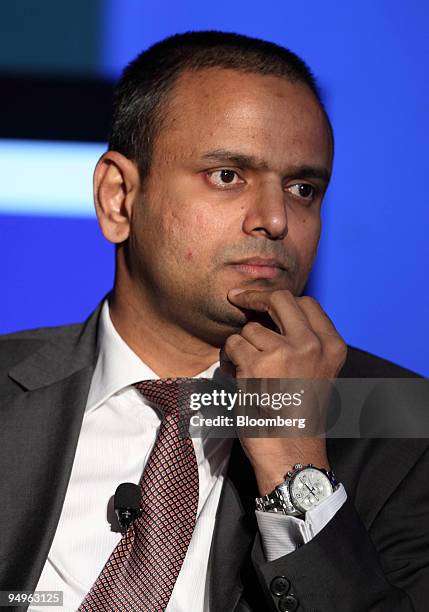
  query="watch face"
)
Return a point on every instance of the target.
[{"x": 309, "y": 488}]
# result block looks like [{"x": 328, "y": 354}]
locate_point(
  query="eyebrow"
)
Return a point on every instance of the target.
[{"x": 252, "y": 162}]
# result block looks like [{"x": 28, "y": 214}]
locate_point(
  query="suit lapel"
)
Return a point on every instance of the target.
[
  {"x": 37, "y": 445},
  {"x": 38, "y": 439},
  {"x": 233, "y": 535}
]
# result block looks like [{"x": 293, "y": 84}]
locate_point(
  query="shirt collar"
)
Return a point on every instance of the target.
[{"x": 118, "y": 366}]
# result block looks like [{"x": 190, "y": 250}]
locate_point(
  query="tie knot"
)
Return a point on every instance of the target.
[{"x": 171, "y": 395}]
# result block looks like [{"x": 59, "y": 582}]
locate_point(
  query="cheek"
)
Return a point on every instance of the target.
[
  {"x": 189, "y": 238},
  {"x": 305, "y": 234}
]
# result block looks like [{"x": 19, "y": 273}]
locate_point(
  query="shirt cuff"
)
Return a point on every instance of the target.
[{"x": 282, "y": 534}]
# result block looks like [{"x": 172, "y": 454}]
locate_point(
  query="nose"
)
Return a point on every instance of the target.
[{"x": 266, "y": 214}]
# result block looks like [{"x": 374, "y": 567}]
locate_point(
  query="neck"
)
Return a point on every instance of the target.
[{"x": 167, "y": 349}]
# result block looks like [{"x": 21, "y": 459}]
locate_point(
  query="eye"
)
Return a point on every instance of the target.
[
  {"x": 224, "y": 178},
  {"x": 303, "y": 190}
]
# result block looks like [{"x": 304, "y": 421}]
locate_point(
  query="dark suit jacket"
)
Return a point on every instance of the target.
[{"x": 373, "y": 555}]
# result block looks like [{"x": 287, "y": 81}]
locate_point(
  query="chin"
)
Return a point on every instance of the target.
[
  {"x": 216, "y": 326},
  {"x": 223, "y": 329},
  {"x": 218, "y": 336}
]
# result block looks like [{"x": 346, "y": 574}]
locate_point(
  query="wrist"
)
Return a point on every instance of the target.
[{"x": 267, "y": 481}]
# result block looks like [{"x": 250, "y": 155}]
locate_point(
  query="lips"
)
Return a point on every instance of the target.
[{"x": 258, "y": 267}]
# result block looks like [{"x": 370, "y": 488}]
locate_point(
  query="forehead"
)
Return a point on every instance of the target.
[{"x": 260, "y": 114}]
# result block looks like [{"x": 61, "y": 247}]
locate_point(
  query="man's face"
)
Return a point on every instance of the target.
[{"x": 238, "y": 174}]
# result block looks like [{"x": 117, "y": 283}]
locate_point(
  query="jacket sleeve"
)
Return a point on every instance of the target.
[
  {"x": 350, "y": 568},
  {"x": 282, "y": 534}
]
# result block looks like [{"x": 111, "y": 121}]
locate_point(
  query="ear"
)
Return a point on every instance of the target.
[{"x": 116, "y": 189}]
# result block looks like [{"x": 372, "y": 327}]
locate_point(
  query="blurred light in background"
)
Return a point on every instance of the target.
[{"x": 47, "y": 178}]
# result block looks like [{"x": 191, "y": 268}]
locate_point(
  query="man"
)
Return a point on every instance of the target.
[{"x": 219, "y": 158}]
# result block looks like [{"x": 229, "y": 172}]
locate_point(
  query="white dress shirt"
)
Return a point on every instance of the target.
[{"x": 118, "y": 432}]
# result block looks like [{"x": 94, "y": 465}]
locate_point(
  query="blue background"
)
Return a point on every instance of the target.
[{"x": 371, "y": 60}]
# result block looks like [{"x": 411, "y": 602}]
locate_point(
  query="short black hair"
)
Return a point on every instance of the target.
[{"x": 142, "y": 92}]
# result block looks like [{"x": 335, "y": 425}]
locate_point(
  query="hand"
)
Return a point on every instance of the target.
[{"x": 307, "y": 346}]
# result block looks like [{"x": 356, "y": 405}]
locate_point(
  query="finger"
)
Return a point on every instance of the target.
[
  {"x": 238, "y": 351},
  {"x": 250, "y": 299},
  {"x": 332, "y": 343},
  {"x": 317, "y": 317},
  {"x": 261, "y": 337},
  {"x": 281, "y": 305}
]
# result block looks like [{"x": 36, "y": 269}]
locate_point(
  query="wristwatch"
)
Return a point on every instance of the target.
[{"x": 304, "y": 488}]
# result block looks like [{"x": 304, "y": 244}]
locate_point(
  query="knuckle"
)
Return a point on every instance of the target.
[
  {"x": 338, "y": 347},
  {"x": 309, "y": 300},
  {"x": 282, "y": 352},
  {"x": 311, "y": 344},
  {"x": 232, "y": 341},
  {"x": 252, "y": 326}
]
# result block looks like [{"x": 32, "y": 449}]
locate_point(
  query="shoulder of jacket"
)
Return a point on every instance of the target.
[
  {"x": 16, "y": 346},
  {"x": 361, "y": 364},
  {"x": 42, "y": 333}
]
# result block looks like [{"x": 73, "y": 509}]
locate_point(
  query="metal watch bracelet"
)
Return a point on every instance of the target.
[{"x": 280, "y": 500}]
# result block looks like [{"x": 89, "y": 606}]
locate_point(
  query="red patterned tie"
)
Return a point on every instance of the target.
[{"x": 142, "y": 570}]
